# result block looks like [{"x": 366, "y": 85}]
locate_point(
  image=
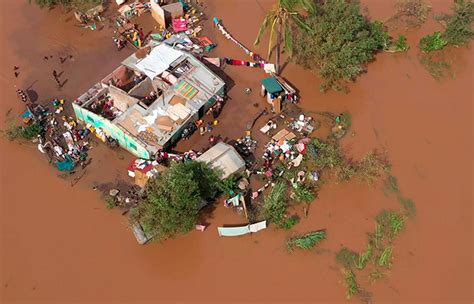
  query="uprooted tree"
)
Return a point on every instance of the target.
[
  {"x": 174, "y": 198},
  {"x": 340, "y": 43}
]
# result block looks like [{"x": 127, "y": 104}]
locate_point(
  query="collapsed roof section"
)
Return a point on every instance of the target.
[{"x": 154, "y": 93}]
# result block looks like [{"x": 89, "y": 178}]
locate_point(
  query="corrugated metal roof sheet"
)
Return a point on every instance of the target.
[{"x": 224, "y": 158}]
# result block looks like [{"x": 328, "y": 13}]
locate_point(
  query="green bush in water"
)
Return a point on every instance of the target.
[
  {"x": 432, "y": 42},
  {"x": 290, "y": 222},
  {"x": 27, "y": 132},
  {"x": 401, "y": 44}
]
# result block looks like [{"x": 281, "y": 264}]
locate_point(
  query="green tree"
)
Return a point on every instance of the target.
[
  {"x": 280, "y": 22},
  {"x": 340, "y": 44},
  {"x": 174, "y": 198}
]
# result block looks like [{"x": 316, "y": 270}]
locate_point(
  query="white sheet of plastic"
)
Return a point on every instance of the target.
[
  {"x": 258, "y": 226},
  {"x": 236, "y": 231},
  {"x": 158, "y": 60}
]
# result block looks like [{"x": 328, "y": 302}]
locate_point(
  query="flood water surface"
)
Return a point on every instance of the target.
[{"x": 59, "y": 244}]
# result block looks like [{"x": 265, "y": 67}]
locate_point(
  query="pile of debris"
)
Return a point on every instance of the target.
[{"x": 60, "y": 137}]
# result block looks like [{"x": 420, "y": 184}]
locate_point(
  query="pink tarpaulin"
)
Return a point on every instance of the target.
[{"x": 180, "y": 25}]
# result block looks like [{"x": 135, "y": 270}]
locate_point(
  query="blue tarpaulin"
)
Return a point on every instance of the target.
[
  {"x": 272, "y": 85},
  {"x": 65, "y": 165}
]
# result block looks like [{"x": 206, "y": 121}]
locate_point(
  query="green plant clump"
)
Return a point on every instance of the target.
[
  {"x": 340, "y": 43},
  {"x": 432, "y": 42},
  {"x": 329, "y": 154},
  {"x": 304, "y": 194},
  {"x": 306, "y": 241},
  {"x": 110, "y": 202},
  {"x": 274, "y": 204},
  {"x": 27, "y": 132},
  {"x": 390, "y": 223},
  {"x": 401, "y": 44},
  {"x": 386, "y": 257},
  {"x": 365, "y": 256},
  {"x": 351, "y": 284},
  {"x": 290, "y": 222},
  {"x": 372, "y": 166}
]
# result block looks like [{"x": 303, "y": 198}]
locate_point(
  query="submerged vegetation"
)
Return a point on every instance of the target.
[
  {"x": 347, "y": 258},
  {"x": 341, "y": 42},
  {"x": 330, "y": 156},
  {"x": 351, "y": 284},
  {"x": 391, "y": 187},
  {"x": 411, "y": 13},
  {"x": 436, "y": 64},
  {"x": 290, "y": 222},
  {"x": 27, "y": 132}
]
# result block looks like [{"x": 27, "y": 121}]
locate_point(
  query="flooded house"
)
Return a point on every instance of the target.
[{"x": 147, "y": 102}]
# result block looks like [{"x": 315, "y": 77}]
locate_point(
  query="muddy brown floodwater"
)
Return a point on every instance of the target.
[{"x": 59, "y": 244}]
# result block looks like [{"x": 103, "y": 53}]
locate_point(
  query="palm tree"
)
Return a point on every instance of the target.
[{"x": 280, "y": 21}]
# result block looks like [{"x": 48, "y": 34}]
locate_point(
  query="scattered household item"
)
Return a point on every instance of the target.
[
  {"x": 180, "y": 25},
  {"x": 140, "y": 234},
  {"x": 200, "y": 227},
  {"x": 114, "y": 192}
]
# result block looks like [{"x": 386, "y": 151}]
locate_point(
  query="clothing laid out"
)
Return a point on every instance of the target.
[
  {"x": 230, "y": 61},
  {"x": 226, "y": 34}
]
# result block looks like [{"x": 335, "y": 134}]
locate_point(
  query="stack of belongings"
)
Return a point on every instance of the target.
[
  {"x": 142, "y": 170},
  {"x": 206, "y": 43},
  {"x": 180, "y": 25},
  {"x": 303, "y": 124}
]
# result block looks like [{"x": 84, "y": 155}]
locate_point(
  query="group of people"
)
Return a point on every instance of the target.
[{"x": 65, "y": 142}]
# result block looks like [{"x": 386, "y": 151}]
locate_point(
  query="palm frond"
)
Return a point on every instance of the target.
[
  {"x": 266, "y": 22},
  {"x": 271, "y": 40},
  {"x": 309, "y": 6},
  {"x": 300, "y": 22}
]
